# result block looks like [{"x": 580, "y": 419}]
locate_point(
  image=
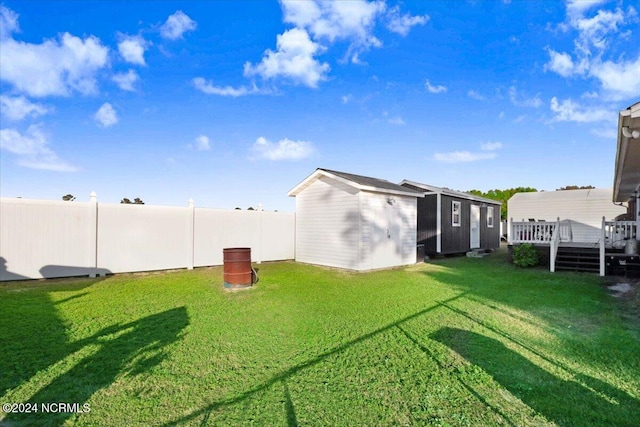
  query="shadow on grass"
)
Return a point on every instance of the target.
[
  {"x": 290, "y": 414},
  {"x": 132, "y": 348},
  {"x": 30, "y": 325},
  {"x": 561, "y": 401},
  {"x": 33, "y": 338}
]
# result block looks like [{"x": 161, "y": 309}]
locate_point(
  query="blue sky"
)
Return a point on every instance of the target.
[{"x": 233, "y": 103}]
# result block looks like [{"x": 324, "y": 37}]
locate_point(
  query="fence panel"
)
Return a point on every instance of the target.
[
  {"x": 216, "y": 229},
  {"x": 142, "y": 237},
  {"x": 43, "y": 238}
]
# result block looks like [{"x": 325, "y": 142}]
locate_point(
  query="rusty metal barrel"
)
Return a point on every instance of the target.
[{"x": 237, "y": 268}]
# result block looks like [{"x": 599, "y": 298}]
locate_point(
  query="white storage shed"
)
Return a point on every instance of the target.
[
  {"x": 354, "y": 222},
  {"x": 583, "y": 209}
]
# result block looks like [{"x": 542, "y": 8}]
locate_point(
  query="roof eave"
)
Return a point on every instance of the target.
[
  {"x": 447, "y": 192},
  {"x": 318, "y": 172}
]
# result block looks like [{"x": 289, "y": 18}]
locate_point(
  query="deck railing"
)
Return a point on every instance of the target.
[
  {"x": 617, "y": 232},
  {"x": 614, "y": 236},
  {"x": 540, "y": 231},
  {"x": 553, "y": 248}
]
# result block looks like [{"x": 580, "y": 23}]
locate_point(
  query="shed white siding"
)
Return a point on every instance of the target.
[
  {"x": 585, "y": 209},
  {"x": 388, "y": 230},
  {"x": 328, "y": 224}
]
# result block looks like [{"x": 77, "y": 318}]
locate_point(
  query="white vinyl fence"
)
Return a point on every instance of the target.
[{"x": 44, "y": 239}]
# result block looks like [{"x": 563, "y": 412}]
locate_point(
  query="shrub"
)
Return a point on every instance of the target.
[{"x": 526, "y": 255}]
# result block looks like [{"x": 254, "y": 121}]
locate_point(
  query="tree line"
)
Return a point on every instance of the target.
[{"x": 125, "y": 201}]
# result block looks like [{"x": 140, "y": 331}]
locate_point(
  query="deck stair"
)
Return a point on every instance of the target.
[{"x": 578, "y": 259}]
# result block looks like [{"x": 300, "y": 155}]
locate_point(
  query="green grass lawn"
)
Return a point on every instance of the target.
[{"x": 455, "y": 342}]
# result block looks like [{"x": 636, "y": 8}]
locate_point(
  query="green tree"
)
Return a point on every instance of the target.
[
  {"x": 502, "y": 196},
  {"x": 576, "y": 187},
  {"x": 69, "y": 198},
  {"x": 136, "y": 201}
]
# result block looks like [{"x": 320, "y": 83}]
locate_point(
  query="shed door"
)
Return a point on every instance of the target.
[
  {"x": 386, "y": 238},
  {"x": 474, "y": 225}
]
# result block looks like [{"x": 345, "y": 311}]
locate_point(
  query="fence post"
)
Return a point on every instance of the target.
[
  {"x": 191, "y": 235},
  {"x": 93, "y": 234},
  {"x": 260, "y": 241},
  {"x": 603, "y": 237}
]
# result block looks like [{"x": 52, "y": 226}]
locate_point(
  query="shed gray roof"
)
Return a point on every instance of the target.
[
  {"x": 361, "y": 182},
  {"x": 446, "y": 191},
  {"x": 368, "y": 181}
]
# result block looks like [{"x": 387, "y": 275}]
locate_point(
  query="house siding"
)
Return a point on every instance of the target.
[
  {"x": 585, "y": 209},
  {"x": 328, "y": 224}
]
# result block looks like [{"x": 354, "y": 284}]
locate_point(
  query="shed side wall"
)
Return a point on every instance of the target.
[{"x": 328, "y": 224}]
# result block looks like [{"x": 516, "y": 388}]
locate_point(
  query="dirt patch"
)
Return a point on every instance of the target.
[{"x": 627, "y": 291}]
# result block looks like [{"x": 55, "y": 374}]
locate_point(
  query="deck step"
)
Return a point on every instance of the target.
[{"x": 578, "y": 259}]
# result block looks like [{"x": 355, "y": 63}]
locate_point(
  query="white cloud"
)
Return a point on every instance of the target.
[
  {"x": 597, "y": 37},
  {"x": 293, "y": 59},
  {"x": 208, "y": 88},
  {"x": 488, "y": 151},
  {"x": 475, "y": 95},
  {"x": 397, "y": 120},
  {"x": 595, "y": 32},
  {"x": 569, "y": 111},
  {"x": 490, "y": 146},
  {"x": 560, "y": 63},
  {"x": 19, "y": 107},
  {"x": 106, "y": 116},
  {"x": 284, "y": 149},
  {"x": 620, "y": 80},
  {"x": 353, "y": 21},
  {"x": 589, "y": 95},
  {"x": 53, "y": 67},
  {"x": 176, "y": 25},
  {"x": 125, "y": 81},
  {"x": 318, "y": 24},
  {"x": 434, "y": 88},
  {"x": 501, "y": 115},
  {"x": 402, "y": 24},
  {"x": 202, "y": 143},
  {"x": 608, "y": 133},
  {"x": 347, "y": 98},
  {"x": 576, "y": 8},
  {"x": 32, "y": 149},
  {"x": 8, "y": 22},
  {"x": 520, "y": 101},
  {"x": 463, "y": 156},
  {"x": 132, "y": 49}
]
